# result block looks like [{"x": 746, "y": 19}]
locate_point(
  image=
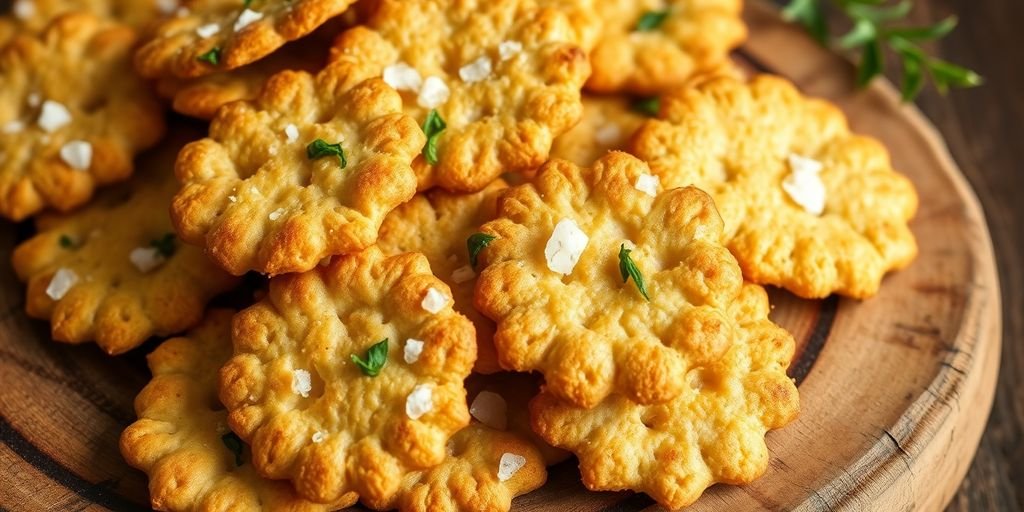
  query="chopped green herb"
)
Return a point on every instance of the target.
[
  {"x": 628, "y": 269},
  {"x": 211, "y": 57},
  {"x": 647, "y": 106},
  {"x": 651, "y": 20},
  {"x": 476, "y": 243},
  {"x": 66, "y": 242},
  {"x": 320, "y": 148},
  {"x": 165, "y": 245},
  {"x": 376, "y": 358},
  {"x": 433, "y": 127},
  {"x": 234, "y": 443},
  {"x": 246, "y": 4}
]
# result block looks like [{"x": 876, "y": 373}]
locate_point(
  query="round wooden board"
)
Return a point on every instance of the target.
[{"x": 895, "y": 390}]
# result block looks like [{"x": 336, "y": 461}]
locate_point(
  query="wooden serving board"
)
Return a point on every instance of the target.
[{"x": 895, "y": 390}]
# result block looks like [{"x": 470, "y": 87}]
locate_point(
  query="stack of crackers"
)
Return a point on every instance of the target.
[{"x": 486, "y": 235}]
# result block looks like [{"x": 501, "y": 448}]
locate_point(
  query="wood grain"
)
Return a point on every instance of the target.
[{"x": 895, "y": 390}]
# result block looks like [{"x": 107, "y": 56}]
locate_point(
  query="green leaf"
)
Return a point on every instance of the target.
[
  {"x": 433, "y": 127},
  {"x": 647, "y": 106},
  {"x": 234, "y": 443},
  {"x": 876, "y": 13},
  {"x": 478, "y": 242},
  {"x": 952, "y": 75},
  {"x": 211, "y": 57},
  {"x": 164, "y": 245},
  {"x": 809, "y": 14},
  {"x": 320, "y": 148},
  {"x": 376, "y": 358},
  {"x": 871, "y": 63},
  {"x": 913, "y": 79},
  {"x": 66, "y": 242},
  {"x": 928, "y": 33},
  {"x": 651, "y": 20},
  {"x": 628, "y": 269},
  {"x": 862, "y": 33}
]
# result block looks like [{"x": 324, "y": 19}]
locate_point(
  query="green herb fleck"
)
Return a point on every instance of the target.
[
  {"x": 320, "y": 148},
  {"x": 647, "y": 106},
  {"x": 246, "y": 4},
  {"x": 164, "y": 245},
  {"x": 476, "y": 243},
  {"x": 211, "y": 57},
  {"x": 235, "y": 445},
  {"x": 433, "y": 127},
  {"x": 651, "y": 20},
  {"x": 628, "y": 269},
  {"x": 66, "y": 242},
  {"x": 376, "y": 358}
]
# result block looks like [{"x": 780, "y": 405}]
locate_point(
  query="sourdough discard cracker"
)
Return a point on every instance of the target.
[
  {"x": 807, "y": 204},
  {"x": 438, "y": 225},
  {"x": 713, "y": 431},
  {"x": 181, "y": 439},
  {"x": 35, "y": 15},
  {"x": 348, "y": 377},
  {"x": 217, "y": 35},
  {"x": 503, "y": 77},
  {"x": 604, "y": 281},
  {"x": 114, "y": 272},
  {"x": 307, "y": 170},
  {"x": 72, "y": 114}
]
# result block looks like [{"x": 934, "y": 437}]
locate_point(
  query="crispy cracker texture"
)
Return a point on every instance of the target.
[
  {"x": 437, "y": 225},
  {"x": 589, "y": 332},
  {"x": 502, "y": 121},
  {"x": 712, "y": 432},
  {"x": 693, "y": 37},
  {"x": 82, "y": 63},
  {"x": 180, "y": 44},
  {"x": 340, "y": 430},
  {"x": 178, "y": 440},
  {"x": 607, "y": 124},
  {"x": 113, "y": 301},
  {"x": 35, "y": 15},
  {"x": 734, "y": 140},
  {"x": 254, "y": 197}
]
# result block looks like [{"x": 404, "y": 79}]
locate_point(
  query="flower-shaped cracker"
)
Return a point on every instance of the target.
[
  {"x": 217, "y": 35},
  {"x": 554, "y": 281},
  {"x": 72, "y": 114},
  {"x": 438, "y": 224},
  {"x": 807, "y": 205},
  {"x": 181, "y": 439},
  {"x": 113, "y": 272},
  {"x": 712, "y": 432},
  {"x": 308, "y": 170},
  {"x": 647, "y": 46},
  {"x": 607, "y": 124},
  {"x": 347, "y": 377},
  {"x": 504, "y": 77},
  {"x": 36, "y": 14}
]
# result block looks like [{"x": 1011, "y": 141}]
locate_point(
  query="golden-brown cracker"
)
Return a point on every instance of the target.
[
  {"x": 310, "y": 413},
  {"x": 7, "y": 30},
  {"x": 588, "y": 332},
  {"x": 72, "y": 114},
  {"x": 693, "y": 36},
  {"x": 35, "y": 15},
  {"x": 132, "y": 278},
  {"x": 437, "y": 225},
  {"x": 257, "y": 201},
  {"x": 742, "y": 144},
  {"x": 712, "y": 432},
  {"x": 607, "y": 124},
  {"x": 181, "y": 439},
  {"x": 504, "y": 115},
  {"x": 217, "y": 35}
]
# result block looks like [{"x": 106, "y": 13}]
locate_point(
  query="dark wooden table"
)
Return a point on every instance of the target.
[{"x": 983, "y": 128}]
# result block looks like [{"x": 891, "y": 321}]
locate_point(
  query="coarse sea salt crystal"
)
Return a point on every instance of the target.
[
  {"x": 276, "y": 214},
  {"x": 490, "y": 409},
  {"x": 77, "y": 154},
  {"x": 648, "y": 184},
  {"x": 420, "y": 401},
  {"x": 63, "y": 280},
  {"x": 476, "y": 71},
  {"x": 463, "y": 274},
  {"x": 146, "y": 258},
  {"x": 509, "y": 465},
  {"x": 413, "y": 349},
  {"x": 804, "y": 185},
  {"x": 509, "y": 49},
  {"x": 434, "y": 301},
  {"x": 24, "y": 9},
  {"x": 208, "y": 30},
  {"x": 565, "y": 246},
  {"x": 53, "y": 116},
  {"x": 433, "y": 93},
  {"x": 302, "y": 383},
  {"x": 292, "y": 132},
  {"x": 318, "y": 437},
  {"x": 403, "y": 77},
  {"x": 248, "y": 17}
]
